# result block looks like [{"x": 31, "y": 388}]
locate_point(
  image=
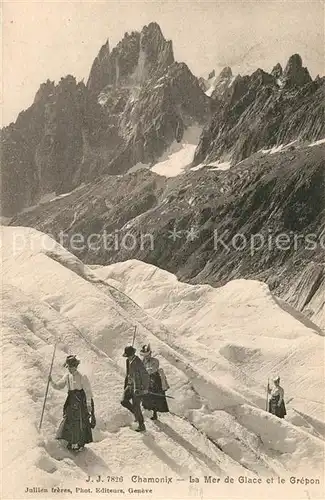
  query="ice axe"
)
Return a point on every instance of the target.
[
  {"x": 160, "y": 395},
  {"x": 47, "y": 387},
  {"x": 127, "y": 361},
  {"x": 135, "y": 331},
  {"x": 267, "y": 396}
]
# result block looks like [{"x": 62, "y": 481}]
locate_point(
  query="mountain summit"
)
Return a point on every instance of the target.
[
  {"x": 294, "y": 72},
  {"x": 135, "y": 59}
]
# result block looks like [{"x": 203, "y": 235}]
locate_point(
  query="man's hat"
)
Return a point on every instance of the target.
[
  {"x": 145, "y": 349},
  {"x": 71, "y": 361},
  {"x": 129, "y": 351},
  {"x": 276, "y": 379}
]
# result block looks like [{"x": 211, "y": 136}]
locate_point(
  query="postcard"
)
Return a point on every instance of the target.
[{"x": 162, "y": 250}]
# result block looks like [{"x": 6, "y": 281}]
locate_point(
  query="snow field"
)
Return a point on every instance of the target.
[{"x": 217, "y": 348}]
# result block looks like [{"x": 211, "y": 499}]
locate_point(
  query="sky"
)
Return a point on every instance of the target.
[{"x": 47, "y": 39}]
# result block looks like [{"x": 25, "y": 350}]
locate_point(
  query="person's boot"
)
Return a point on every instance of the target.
[
  {"x": 141, "y": 428},
  {"x": 154, "y": 415}
]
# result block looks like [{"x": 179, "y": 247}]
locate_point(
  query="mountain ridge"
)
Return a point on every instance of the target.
[{"x": 137, "y": 101}]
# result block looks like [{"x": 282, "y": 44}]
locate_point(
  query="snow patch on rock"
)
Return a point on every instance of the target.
[{"x": 179, "y": 155}]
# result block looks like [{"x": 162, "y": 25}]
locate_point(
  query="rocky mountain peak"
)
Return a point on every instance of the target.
[
  {"x": 295, "y": 61},
  {"x": 156, "y": 53},
  {"x": 261, "y": 77},
  {"x": 221, "y": 83},
  {"x": 44, "y": 92},
  {"x": 104, "y": 50},
  {"x": 154, "y": 30},
  {"x": 277, "y": 71},
  {"x": 225, "y": 73},
  {"x": 294, "y": 73},
  {"x": 68, "y": 82},
  {"x": 135, "y": 59},
  {"x": 114, "y": 67}
]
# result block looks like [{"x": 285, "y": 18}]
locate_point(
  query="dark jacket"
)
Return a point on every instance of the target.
[{"x": 137, "y": 376}]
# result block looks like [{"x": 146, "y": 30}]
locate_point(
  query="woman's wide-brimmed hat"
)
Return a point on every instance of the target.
[
  {"x": 145, "y": 349},
  {"x": 276, "y": 379},
  {"x": 71, "y": 361}
]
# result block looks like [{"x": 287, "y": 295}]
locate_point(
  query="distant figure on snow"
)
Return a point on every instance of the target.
[
  {"x": 156, "y": 399},
  {"x": 276, "y": 403},
  {"x": 78, "y": 409},
  {"x": 136, "y": 386}
]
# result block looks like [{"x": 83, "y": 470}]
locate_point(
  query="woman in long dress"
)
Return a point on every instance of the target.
[
  {"x": 158, "y": 384},
  {"x": 78, "y": 409},
  {"x": 276, "y": 403}
]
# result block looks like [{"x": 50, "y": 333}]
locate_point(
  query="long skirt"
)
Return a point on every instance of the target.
[
  {"x": 152, "y": 402},
  {"x": 75, "y": 426},
  {"x": 279, "y": 411}
]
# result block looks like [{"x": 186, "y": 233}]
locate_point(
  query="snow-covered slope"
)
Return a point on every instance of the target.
[
  {"x": 218, "y": 425},
  {"x": 242, "y": 323}
]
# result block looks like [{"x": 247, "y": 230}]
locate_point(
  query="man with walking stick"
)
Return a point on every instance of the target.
[{"x": 136, "y": 386}]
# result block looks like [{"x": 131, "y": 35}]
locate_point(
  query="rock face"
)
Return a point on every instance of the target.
[
  {"x": 277, "y": 71},
  {"x": 261, "y": 219},
  {"x": 262, "y": 111},
  {"x": 137, "y": 101},
  {"x": 50, "y": 144},
  {"x": 163, "y": 109},
  {"x": 307, "y": 293},
  {"x": 222, "y": 83},
  {"x": 135, "y": 59}
]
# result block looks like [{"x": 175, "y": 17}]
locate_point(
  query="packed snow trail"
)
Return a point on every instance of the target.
[{"x": 217, "y": 424}]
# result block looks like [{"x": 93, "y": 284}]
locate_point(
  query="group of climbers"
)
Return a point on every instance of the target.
[{"x": 145, "y": 385}]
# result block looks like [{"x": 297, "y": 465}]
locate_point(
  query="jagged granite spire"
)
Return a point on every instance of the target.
[
  {"x": 225, "y": 73},
  {"x": 294, "y": 73},
  {"x": 277, "y": 71},
  {"x": 135, "y": 59}
]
